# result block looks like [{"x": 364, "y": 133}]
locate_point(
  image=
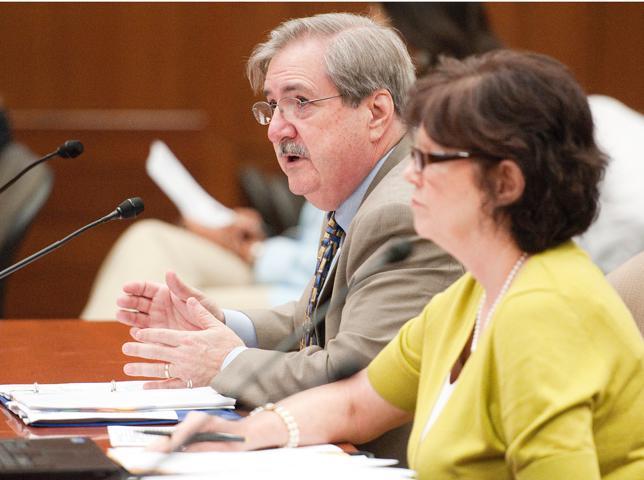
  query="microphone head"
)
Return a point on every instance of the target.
[
  {"x": 130, "y": 207},
  {"x": 399, "y": 251},
  {"x": 70, "y": 149}
]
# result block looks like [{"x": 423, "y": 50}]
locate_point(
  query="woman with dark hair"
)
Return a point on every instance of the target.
[
  {"x": 460, "y": 29},
  {"x": 530, "y": 366}
]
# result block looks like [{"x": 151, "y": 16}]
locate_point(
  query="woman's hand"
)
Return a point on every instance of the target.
[{"x": 199, "y": 422}]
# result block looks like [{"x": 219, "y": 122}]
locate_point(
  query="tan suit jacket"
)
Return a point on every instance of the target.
[{"x": 358, "y": 326}]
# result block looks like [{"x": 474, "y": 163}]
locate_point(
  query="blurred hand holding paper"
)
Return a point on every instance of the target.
[{"x": 193, "y": 202}]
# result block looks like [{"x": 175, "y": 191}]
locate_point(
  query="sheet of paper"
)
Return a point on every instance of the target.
[
  {"x": 123, "y": 400},
  {"x": 190, "y": 198},
  {"x": 317, "y": 462},
  {"x": 289, "y": 474},
  {"x": 123, "y": 436},
  {"x": 7, "y": 389}
]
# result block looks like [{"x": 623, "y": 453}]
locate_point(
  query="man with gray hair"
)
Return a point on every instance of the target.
[{"x": 335, "y": 85}]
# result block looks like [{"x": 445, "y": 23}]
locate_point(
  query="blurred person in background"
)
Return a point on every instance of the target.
[
  {"x": 21, "y": 201},
  {"x": 618, "y": 232},
  {"x": 434, "y": 29},
  {"x": 235, "y": 264},
  {"x": 5, "y": 131}
]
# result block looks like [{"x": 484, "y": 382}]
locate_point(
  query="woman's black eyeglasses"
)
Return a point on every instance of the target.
[{"x": 421, "y": 159}]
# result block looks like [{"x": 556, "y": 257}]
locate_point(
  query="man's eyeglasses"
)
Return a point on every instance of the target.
[
  {"x": 421, "y": 159},
  {"x": 291, "y": 107}
]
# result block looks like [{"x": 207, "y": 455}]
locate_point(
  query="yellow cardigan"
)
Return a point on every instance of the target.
[{"x": 554, "y": 390}]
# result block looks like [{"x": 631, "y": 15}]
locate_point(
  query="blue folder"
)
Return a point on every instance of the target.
[{"x": 222, "y": 412}]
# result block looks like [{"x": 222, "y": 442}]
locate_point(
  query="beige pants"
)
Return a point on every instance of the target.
[{"x": 149, "y": 248}]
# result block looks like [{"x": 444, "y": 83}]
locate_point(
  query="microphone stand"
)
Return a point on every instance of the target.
[
  {"x": 23, "y": 263},
  {"x": 26, "y": 169},
  {"x": 126, "y": 209},
  {"x": 70, "y": 149}
]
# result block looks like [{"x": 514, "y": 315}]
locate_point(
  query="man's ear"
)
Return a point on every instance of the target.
[
  {"x": 509, "y": 182},
  {"x": 381, "y": 113}
]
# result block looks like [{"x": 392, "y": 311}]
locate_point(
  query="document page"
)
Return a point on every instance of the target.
[
  {"x": 115, "y": 401},
  {"x": 320, "y": 461},
  {"x": 7, "y": 389}
]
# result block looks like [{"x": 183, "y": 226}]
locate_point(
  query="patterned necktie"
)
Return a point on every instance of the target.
[{"x": 329, "y": 245}]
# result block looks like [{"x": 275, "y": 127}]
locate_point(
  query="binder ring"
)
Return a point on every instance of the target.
[{"x": 166, "y": 370}]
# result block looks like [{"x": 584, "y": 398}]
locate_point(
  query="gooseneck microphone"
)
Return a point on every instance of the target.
[
  {"x": 69, "y": 149},
  {"x": 127, "y": 209}
]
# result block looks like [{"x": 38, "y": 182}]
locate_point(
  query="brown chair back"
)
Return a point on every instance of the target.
[
  {"x": 20, "y": 203},
  {"x": 628, "y": 280}
]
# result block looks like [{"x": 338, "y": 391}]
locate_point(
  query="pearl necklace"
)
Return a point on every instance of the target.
[{"x": 504, "y": 289}]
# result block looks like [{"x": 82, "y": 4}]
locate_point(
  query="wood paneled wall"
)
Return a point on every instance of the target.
[
  {"x": 124, "y": 65},
  {"x": 603, "y": 43},
  {"x": 117, "y": 76}
]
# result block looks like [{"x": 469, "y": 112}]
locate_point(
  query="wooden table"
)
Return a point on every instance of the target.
[
  {"x": 63, "y": 351},
  {"x": 59, "y": 351}
]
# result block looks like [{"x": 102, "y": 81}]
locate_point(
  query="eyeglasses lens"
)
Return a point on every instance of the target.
[
  {"x": 417, "y": 160},
  {"x": 263, "y": 111}
]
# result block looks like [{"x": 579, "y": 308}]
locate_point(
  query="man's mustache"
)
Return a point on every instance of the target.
[{"x": 288, "y": 148}]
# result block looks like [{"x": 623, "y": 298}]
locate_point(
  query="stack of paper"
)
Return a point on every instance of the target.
[
  {"x": 102, "y": 403},
  {"x": 317, "y": 462}
]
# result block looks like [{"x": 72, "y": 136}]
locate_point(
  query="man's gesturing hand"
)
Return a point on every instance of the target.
[
  {"x": 149, "y": 304},
  {"x": 193, "y": 357}
]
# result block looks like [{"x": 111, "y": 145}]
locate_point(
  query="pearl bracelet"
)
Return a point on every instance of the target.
[{"x": 287, "y": 418}]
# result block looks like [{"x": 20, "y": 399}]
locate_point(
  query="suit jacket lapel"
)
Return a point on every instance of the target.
[{"x": 399, "y": 152}]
